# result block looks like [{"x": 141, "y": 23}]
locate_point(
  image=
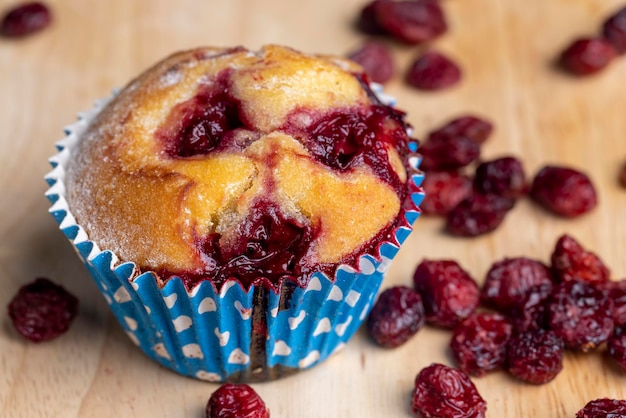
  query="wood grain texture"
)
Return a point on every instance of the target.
[{"x": 506, "y": 49}]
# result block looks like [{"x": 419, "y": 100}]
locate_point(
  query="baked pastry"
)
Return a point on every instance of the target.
[{"x": 266, "y": 172}]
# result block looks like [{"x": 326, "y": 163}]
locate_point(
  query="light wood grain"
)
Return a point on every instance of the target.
[{"x": 506, "y": 49}]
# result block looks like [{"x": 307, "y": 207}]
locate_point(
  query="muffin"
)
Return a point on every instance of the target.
[{"x": 238, "y": 209}]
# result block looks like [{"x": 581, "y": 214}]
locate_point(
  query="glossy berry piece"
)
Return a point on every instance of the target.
[
  {"x": 448, "y": 292},
  {"x": 236, "y": 401},
  {"x": 479, "y": 342},
  {"x": 503, "y": 176},
  {"x": 473, "y": 127},
  {"x": 616, "y": 291},
  {"x": 367, "y": 21},
  {"x": 375, "y": 58},
  {"x": 433, "y": 71},
  {"x": 603, "y": 408},
  {"x": 617, "y": 347},
  {"x": 587, "y": 56},
  {"x": 478, "y": 214},
  {"x": 42, "y": 310},
  {"x": 535, "y": 356},
  {"x": 518, "y": 287},
  {"x": 580, "y": 314},
  {"x": 445, "y": 392},
  {"x": 571, "y": 261},
  {"x": 614, "y": 30},
  {"x": 443, "y": 153},
  {"x": 411, "y": 21},
  {"x": 564, "y": 191},
  {"x": 396, "y": 316},
  {"x": 444, "y": 191},
  {"x": 25, "y": 19}
]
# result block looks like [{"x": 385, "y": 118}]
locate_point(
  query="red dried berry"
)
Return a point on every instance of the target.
[
  {"x": 614, "y": 30},
  {"x": 518, "y": 287},
  {"x": 587, "y": 56},
  {"x": 479, "y": 342},
  {"x": 616, "y": 291},
  {"x": 478, "y": 214},
  {"x": 433, "y": 71},
  {"x": 25, "y": 19},
  {"x": 236, "y": 401},
  {"x": 448, "y": 153},
  {"x": 367, "y": 21},
  {"x": 444, "y": 191},
  {"x": 571, "y": 261},
  {"x": 411, "y": 21},
  {"x": 580, "y": 314},
  {"x": 603, "y": 408},
  {"x": 472, "y": 127},
  {"x": 564, "y": 191},
  {"x": 448, "y": 292},
  {"x": 445, "y": 392},
  {"x": 503, "y": 176},
  {"x": 535, "y": 356},
  {"x": 42, "y": 310},
  {"x": 622, "y": 176},
  {"x": 376, "y": 60},
  {"x": 397, "y": 315},
  {"x": 617, "y": 347}
]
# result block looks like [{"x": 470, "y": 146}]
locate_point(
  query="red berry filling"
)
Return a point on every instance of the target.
[
  {"x": 587, "y": 56},
  {"x": 614, "y": 30},
  {"x": 236, "y": 401},
  {"x": 376, "y": 60},
  {"x": 603, "y": 408},
  {"x": 433, "y": 71},
  {"x": 397, "y": 315},
  {"x": 444, "y": 190},
  {"x": 42, "y": 310},
  {"x": 564, "y": 191},
  {"x": 570, "y": 261},
  {"x": 535, "y": 356},
  {"x": 25, "y": 19},
  {"x": 442, "y": 391},
  {"x": 503, "y": 176}
]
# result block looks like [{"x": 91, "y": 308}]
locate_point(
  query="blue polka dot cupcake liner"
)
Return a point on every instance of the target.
[{"x": 230, "y": 334}]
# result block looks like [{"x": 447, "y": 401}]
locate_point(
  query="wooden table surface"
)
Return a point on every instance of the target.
[{"x": 506, "y": 49}]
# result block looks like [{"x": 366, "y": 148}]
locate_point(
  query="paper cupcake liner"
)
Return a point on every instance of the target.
[{"x": 213, "y": 335}]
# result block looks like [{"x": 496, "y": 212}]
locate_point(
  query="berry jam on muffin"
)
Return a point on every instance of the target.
[{"x": 227, "y": 163}]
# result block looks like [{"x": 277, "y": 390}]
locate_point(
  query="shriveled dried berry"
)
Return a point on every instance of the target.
[
  {"x": 236, "y": 401},
  {"x": 42, "y": 310},
  {"x": 617, "y": 346},
  {"x": 411, "y": 21},
  {"x": 614, "y": 30},
  {"x": 473, "y": 127},
  {"x": 580, "y": 314},
  {"x": 448, "y": 153},
  {"x": 535, "y": 356},
  {"x": 518, "y": 287},
  {"x": 433, "y": 71},
  {"x": 503, "y": 176},
  {"x": 367, "y": 21},
  {"x": 616, "y": 291},
  {"x": 571, "y": 261},
  {"x": 587, "y": 56},
  {"x": 622, "y": 176},
  {"x": 603, "y": 408},
  {"x": 448, "y": 292},
  {"x": 445, "y": 392},
  {"x": 25, "y": 19},
  {"x": 376, "y": 60},
  {"x": 397, "y": 315},
  {"x": 564, "y": 191},
  {"x": 478, "y": 214},
  {"x": 444, "y": 191},
  {"x": 479, "y": 342}
]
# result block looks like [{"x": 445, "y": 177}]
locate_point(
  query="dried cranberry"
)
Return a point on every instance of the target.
[
  {"x": 622, "y": 176},
  {"x": 518, "y": 287},
  {"x": 376, "y": 60},
  {"x": 475, "y": 128},
  {"x": 617, "y": 347},
  {"x": 433, "y": 71},
  {"x": 535, "y": 356},
  {"x": 236, "y": 401},
  {"x": 571, "y": 261},
  {"x": 478, "y": 214},
  {"x": 564, "y": 191},
  {"x": 448, "y": 152},
  {"x": 448, "y": 292},
  {"x": 603, "y": 408},
  {"x": 367, "y": 21},
  {"x": 580, "y": 314},
  {"x": 397, "y": 315},
  {"x": 42, "y": 310},
  {"x": 503, "y": 176},
  {"x": 444, "y": 191},
  {"x": 479, "y": 342},
  {"x": 411, "y": 21},
  {"x": 614, "y": 30},
  {"x": 25, "y": 19},
  {"x": 442, "y": 391},
  {"x": 616, "y": 291},
  {"x": 587, "y": 56}
]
